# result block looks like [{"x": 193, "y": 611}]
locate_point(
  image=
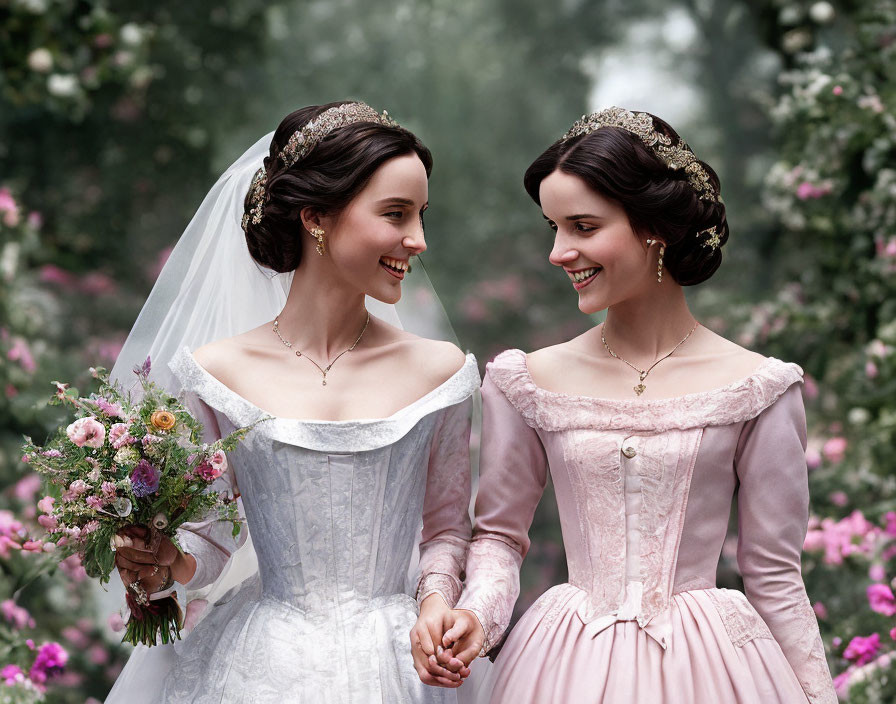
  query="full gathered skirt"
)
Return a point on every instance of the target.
[{"x": 550, "y": 656}]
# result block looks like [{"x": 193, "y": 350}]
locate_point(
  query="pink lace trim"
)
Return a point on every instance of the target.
[
  {"x": 552, "y": 411},
  {"x": 442, "y": 562},
  {"x": 741, "y": 621},
  {"x": 493, "y": 584}
]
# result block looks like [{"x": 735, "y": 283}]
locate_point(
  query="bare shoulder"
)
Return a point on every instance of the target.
[
  {"x": 544, "y": 362},
  {"x": 435, "y": 361},
  {"x": 738, "y": 361},
  {"x": 221, "y": 356}
]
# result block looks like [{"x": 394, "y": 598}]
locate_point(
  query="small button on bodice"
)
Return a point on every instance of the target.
[{"x": 629, "y": 451}]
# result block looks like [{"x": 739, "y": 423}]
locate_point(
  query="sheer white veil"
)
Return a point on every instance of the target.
[{"x": 210, "y": 288}]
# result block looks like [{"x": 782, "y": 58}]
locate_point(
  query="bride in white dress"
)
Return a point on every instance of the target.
[{"x": 365, "y": 451}]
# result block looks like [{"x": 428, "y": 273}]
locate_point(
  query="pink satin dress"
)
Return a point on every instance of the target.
[{"x": 644, "y": 491}]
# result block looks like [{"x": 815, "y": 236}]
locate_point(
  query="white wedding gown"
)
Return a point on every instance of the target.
[{"x": 334, "y": 509}]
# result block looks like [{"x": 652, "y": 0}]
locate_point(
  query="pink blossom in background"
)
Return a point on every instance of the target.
[
  {"x": 839, "y": 498},
  {"x": 72, "y": 567},
  {"x": 473, "y": 309},
  {"x": 156, "y": 268},
  {"x": 35, "y": 219},
  {"x": 96, "y": 283},
  {"x": 507, "y": 289},
  {"x": 893, "y": 633},
  {"x": 876, "y": 572},
  {"x": 841, "y": 684},
  {"x": 11, "y": 391},
  {"x": 116, "y": 622},
  {"x": 33, "y": 546},
  {"x": 7, "y": 544},
  {"x": 7, "y": 202},
  {"x": 16, "y": 615},
  {"x": 834, "y": 449},
  {"x": 890, "y": 518},
  {"x": 75, "y": 489},
  {"x": 871, "y": 369},
  {"x": 861, "y": 650},
  {"x": 813, "y": 458},
  {"x": 820, "y": 609},
  {"x": 837, "y": 90},
  {"x": 840, "y": 539},
  {"x": 46, "y": 504},
  {"x": 51, "y": 658},
  {"x": 98, "y": 655},
  {"x": 95, "y": 502},
  {"x": 807, "y": 190},
  {"x": 810, "y": 388},
  {"x": 27, "y": 487},
  {"x": 881, "y": 600},
  {"x": 52, "y": 274},
  {"x": 87, "y": 432},
  {"x": 21, "y": 353},
  {"x": 106, "y": 349},
  {"x": 11, "y": 674}
]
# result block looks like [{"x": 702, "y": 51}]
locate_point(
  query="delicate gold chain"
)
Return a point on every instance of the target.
[
  {"x": 640, "y": 388},
  {"x": 323, "y": 370}
]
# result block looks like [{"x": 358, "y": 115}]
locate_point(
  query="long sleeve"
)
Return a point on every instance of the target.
[
  {"x": 446, "y": 518},
  {"x": 210, "y": 541},
  {"x": 773, "y": 512},
  {"x": 512, "y": 477}
]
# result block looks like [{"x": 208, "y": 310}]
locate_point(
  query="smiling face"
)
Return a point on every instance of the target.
[
  {"x": 370, "y": 241},
  {"x": 606, "y": 262}
]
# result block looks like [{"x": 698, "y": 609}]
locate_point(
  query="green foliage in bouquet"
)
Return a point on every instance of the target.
[{"x": 124, "y": 462}]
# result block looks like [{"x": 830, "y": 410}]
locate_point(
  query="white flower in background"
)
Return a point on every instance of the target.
[
  {"x": 9, "y": 259},
  {"x": 40, "y": 60},
  {"x": 790, "y": 15},
  {"x": 131, "y": 34},
  {"x": 822, "y": 12},
  {"x": 62, "y": 85},
  {"x": 859, "y": 416},
  {"x": 35, "y": 6}
]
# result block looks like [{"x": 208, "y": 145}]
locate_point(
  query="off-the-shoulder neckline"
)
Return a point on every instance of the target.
[
  {"x": 469, "y": 360},
  {"x": 553, "y": 410},
  {"x": 649, "y": 402}
]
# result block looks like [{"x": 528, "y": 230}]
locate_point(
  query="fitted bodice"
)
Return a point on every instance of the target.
[{"x": 334, "y": 507}]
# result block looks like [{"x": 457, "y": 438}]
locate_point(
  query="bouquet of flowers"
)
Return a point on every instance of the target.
[{"x": 129, "y": 464}]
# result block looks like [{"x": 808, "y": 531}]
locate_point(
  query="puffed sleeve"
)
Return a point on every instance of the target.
[
  {"x": 773, "y": 514},
  {"x": 210, "y": 540},
  {"x": 512, "y": 477},
  {"x": 446, "y": 518}
]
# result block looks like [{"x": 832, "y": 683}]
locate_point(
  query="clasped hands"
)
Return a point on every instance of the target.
[
  {"x": 150, "y": 560},
  {"x": 444, "y": 641}
]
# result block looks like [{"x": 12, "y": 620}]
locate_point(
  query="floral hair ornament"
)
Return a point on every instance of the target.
[
  {"x": 303, "y": 141},
  {"x": 677, "y": 157}
]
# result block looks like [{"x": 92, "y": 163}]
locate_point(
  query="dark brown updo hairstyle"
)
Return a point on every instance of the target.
[
  {"x": 660, "y": 203},
  {"x": 327, "y": 179}
]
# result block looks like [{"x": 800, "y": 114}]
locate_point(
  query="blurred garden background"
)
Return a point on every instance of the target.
[{"x": 116, "y": 118}]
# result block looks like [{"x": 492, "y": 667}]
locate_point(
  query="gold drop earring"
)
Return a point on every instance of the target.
[
  {"x": 318, "y": 234},
  {"x": 659, "y": 265}
]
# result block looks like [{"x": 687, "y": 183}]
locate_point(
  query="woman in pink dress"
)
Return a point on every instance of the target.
[{"x": 649, "y": 425}]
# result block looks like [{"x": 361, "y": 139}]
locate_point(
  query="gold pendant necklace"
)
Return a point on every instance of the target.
[
  {"x": 642, "y": 373},
  {"x": 323, "y": 370}
]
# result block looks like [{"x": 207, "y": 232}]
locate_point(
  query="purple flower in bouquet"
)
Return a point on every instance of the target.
[
  {"x": 87, "y": 432},
  {"x": 51, "y": 658},
  {"x": 145, "y": 479},
  {"x": 862, "y": 650},
  {"x": 881, "y": 599}
]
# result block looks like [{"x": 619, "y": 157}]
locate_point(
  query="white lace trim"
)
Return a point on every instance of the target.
[{"x": 323, "y": 435}]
